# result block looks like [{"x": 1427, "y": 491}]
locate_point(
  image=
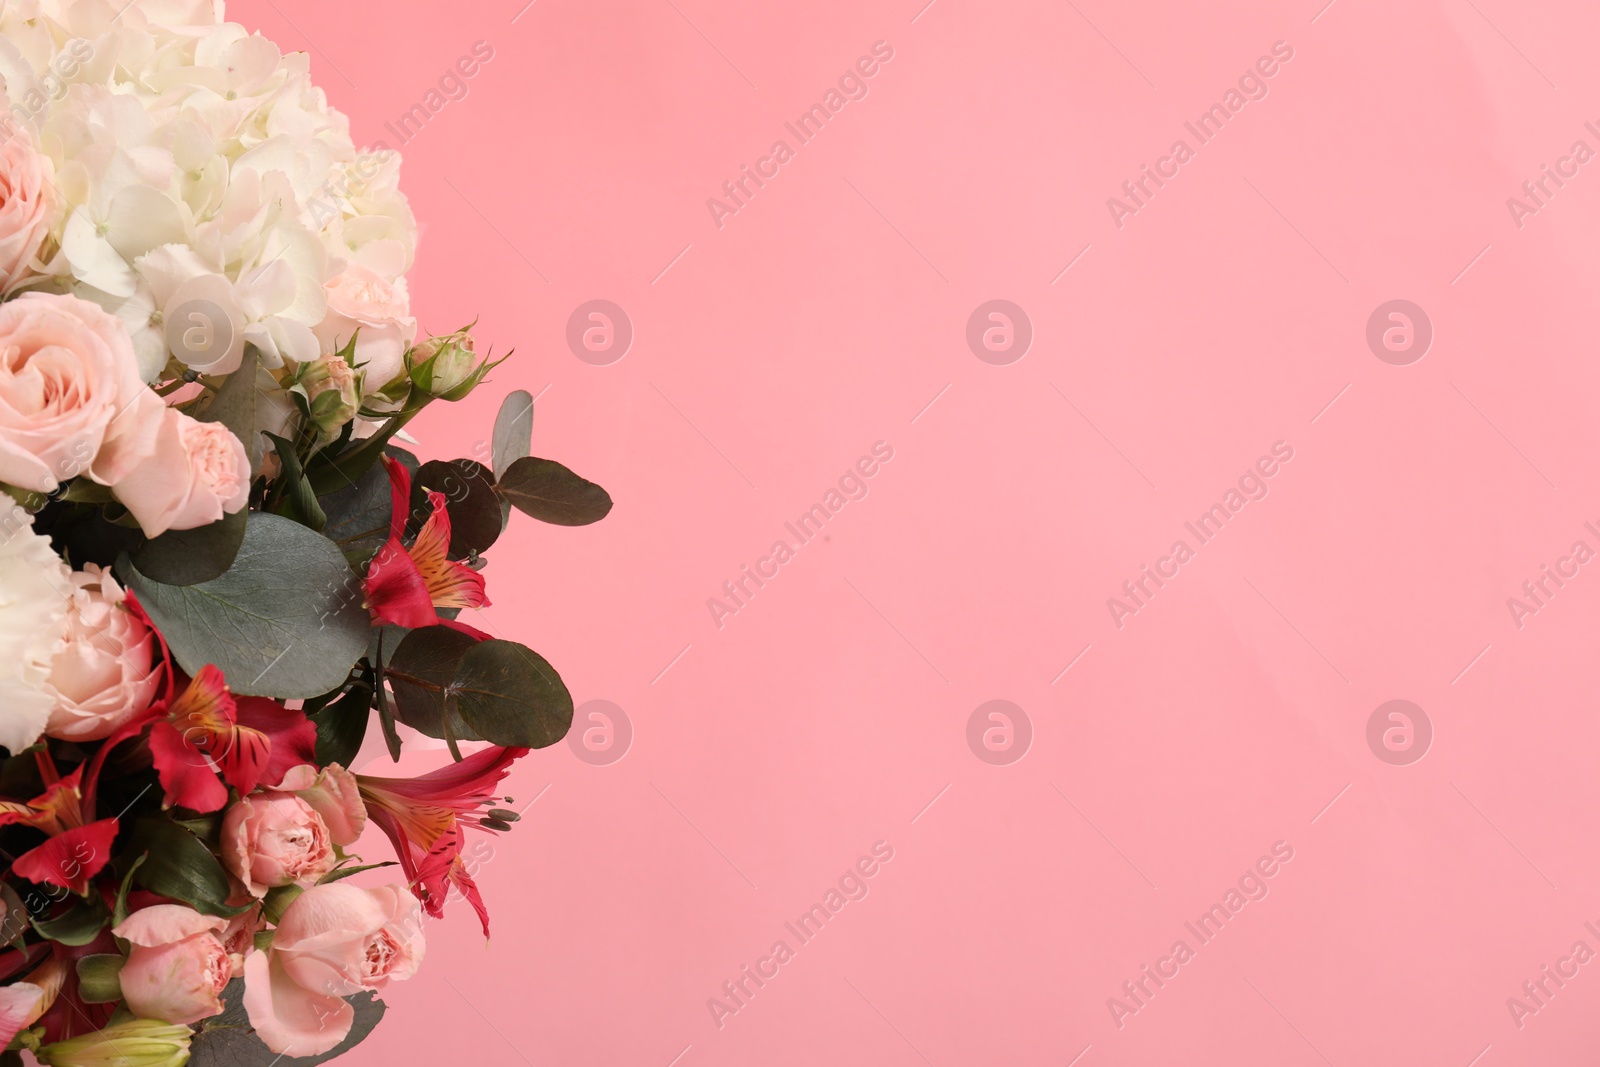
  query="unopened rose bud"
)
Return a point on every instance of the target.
[
  {"x": 447, "y": 367},
  {"x": 126, "y": 1042},
  {"x": 332, "y": 388}
]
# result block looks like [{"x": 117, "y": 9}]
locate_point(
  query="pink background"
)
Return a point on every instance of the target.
[{"x": 826, "y": 715}]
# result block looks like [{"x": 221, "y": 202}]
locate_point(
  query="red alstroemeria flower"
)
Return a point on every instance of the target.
[
  {"x": 199, "y": 736},
  {"x": 424, "y": 818},
  {"x": 406, "y": 587},
  {"x": 76, "y": 851},
  {"x": 205, "y": 731}
]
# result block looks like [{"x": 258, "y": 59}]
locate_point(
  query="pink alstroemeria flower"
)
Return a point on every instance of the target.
[{"x": 424, "y": 818}]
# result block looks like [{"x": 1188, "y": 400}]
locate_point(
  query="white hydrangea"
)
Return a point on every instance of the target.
[
  {"x": 196, "y": 162},
  {"x": 35, "y": 586}
]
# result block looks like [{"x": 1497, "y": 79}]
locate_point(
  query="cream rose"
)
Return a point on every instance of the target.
[
  {"x": 106, "y": 673},
  {"x": 71, "y": 401},
  {"x": 361, "y": 300},
  {"x": 198, "y": 472},
  {"x": 27, "y": 205}
]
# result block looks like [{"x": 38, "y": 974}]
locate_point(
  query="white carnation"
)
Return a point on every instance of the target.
[
  {"x": 35, "y": 587},
  {"x": 198, "y": 162}
]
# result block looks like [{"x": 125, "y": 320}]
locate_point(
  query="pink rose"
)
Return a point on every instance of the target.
[
  {"x": 333, "y": 794},
  {"x": 27, "y": 206},
  {"x": 71, "y": 401},
  {"x": 333, "y": 941},
  {"x": 361, "y": 299},
  {"x": 273, "y": 839},
  {"x": 198, "y": 472},
  {"x": 177, "y": 966},
  {"x": 106, "y": 673}
]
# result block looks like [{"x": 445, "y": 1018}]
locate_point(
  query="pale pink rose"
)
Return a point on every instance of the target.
[
  {"x": 27, "y": 206},
  {"x": 177, "y": 966},
  {"x": 360, "y": 299},
  {"x": 273, "y": 839},
  {"x": 198, "y": 472},
  {"x": 107, "y": 671},
  {"x": 71, "y": 401},
  {"x": 239, "y": 936},
  {"x": 333, "y": 794},
  {"x": 333, "y": 940}
]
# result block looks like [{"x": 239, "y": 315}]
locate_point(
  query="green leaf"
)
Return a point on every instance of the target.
[
  {"x": 342, "y": 725},
  {"x": 421, "y": 673},
  {"x": 293, "y": 489},
  {"x": 510, "y": 695},
  {"x": 98, "y": 978},
  {"x": 178, "y": 865},
  {"x": 78, "y": 925},
  {"x": 286, "y": 621},
  {"x": 358, "y": 515},
  {"x": 470, "y": 500},
  {"x": 188, "y": 557},
  {"x": 228, "y": 1040},
  {"x": 391, "y": 736},
  {"x": 513, "y": 430},
  {"x": 551, "y": 493},
  {"x": 345, "y": 872},
  {"x": 234, "y": 405},
  {"x": 119, "y": 911},
  {"x": 331, "y": 473}
]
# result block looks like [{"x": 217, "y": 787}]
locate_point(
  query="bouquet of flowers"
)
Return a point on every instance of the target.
[{"x": 216, "y": 562}]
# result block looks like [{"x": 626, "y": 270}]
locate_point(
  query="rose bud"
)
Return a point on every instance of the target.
[
  {"x": 272, "y": 839},
  {"x": 107, "y": 672},
  {"x": 177, "y": 966},
  {"x": 447, "y": 367},
  {"x": 126, "y": 1042},
  {"x": 331, "y": 389}
]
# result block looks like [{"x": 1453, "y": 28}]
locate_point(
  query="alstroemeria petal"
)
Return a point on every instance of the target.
[{"x": 70, "y": 858}]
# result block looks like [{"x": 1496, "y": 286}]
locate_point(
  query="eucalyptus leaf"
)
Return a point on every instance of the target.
[
  {"x": 188, "y": 557},
  {"x": 285, "y": 621},
  {"x": 513, "y": 430},
  {"x": 342, "y": 725},
  {"x": 358, "y": 515},
  {"x": 469, "y": 499},
  {"x": 551, "y": 493},
  {"x": 510, "y": 695},
  {"x": 234, "y": 405},
  {"x": 421, "y": 673},
  {"x": 228, "y": 1040}
]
